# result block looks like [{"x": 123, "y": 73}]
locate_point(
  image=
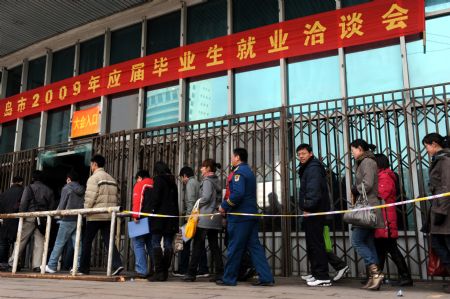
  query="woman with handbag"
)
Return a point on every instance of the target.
[
  {"x": 438, "y": 149},
  {"x": 386, "y": 238},
  {"x": 208, "y": 227},
  {"x": 365, "y": 193}
]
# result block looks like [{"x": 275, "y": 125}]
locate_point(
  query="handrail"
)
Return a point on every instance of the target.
[{"x": 49, "y": 214}]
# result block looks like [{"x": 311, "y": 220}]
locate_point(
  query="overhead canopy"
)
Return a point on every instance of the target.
[{"x": 25, "y": 22}]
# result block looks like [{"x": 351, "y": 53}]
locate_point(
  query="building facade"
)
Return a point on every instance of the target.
[{"x": 390, "y": 93}]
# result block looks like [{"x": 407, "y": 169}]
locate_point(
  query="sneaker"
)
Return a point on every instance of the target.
[
  {"x": 202, "y": 275},
  {"x": 78, "y": 272},
  {"x": 319, "y": 283},
  {"x": 117, "y": 271},
  {"x": 306, "y": 277},
  {"x": 189, "y": 277},
  {"x": 341, "y": 273},
  {"x": 49, "y": 270},
  {"x": 178, "y": 274}
]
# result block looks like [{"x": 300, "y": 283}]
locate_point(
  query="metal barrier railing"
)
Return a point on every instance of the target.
[{"x": 49, "y": 214}]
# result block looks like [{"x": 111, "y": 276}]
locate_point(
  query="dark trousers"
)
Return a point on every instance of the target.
[
  {"x": 315, "y": 247},
  {"x": 199, "y": 249},
  {"x": 185, "y": 255},
  {"x": 92, "y": 228},
  {"x": 5, "y": 245},
  {"x": 243, "y": 236},
  {"x": 441, "y": 244},
  {"x": 389, "y": 245},
  {"x": 335, "y": 261}
]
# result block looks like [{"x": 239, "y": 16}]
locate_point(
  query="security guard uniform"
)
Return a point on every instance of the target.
[{"x": 243, "y": 230}]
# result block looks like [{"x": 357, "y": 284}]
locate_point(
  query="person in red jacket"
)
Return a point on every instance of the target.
[
  {"x": 143, "y": 244},
  {"x": 386, "y": 238}
]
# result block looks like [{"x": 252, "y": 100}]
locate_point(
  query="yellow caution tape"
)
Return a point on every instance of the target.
[{"x": 300, "y": 215}]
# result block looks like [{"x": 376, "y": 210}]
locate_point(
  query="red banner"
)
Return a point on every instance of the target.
[{"x": 356, "y": 25}]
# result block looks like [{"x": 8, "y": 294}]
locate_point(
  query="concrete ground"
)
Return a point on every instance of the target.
[{"x": 285, "y": 288}]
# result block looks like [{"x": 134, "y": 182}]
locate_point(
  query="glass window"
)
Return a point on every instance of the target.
[
  {"x": 254, "y": 13},
  {"x": 62, "y": 64},
  {"x": 312, "y": 80},
  {"x": 124, "y": 111},
  {"x": 162, "y": 106},
  {"x": 433, "y": 66},
  {"x": 91, "y": 54},
  {"x": 258, "y": 89},
  {"x": 126, "y": 44},
  {"x": 7, "y": 137},
  {"x": 208, "y": 98},
  {"x": 36, "y": 73},
  {"x": 13, "y": 81},
  {"x": 300, "y": 8},
  {"x": 206, "y": 21},
  {"x": 163, "y": 33},
  {"x": 30, "y": 132},
  {"x": 87, "y": 104},
  {"x": 346, "y": 3},
  {"x": 58, "y": 123},
  {"x": 374, "y": 70},
  {"x": 435, "y": 5}
]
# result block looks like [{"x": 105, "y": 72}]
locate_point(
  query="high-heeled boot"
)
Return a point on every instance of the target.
[{"x": 376, "y": 278}]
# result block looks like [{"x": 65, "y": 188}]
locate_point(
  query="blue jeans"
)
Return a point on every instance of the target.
[
  {"x": 142, "y": 246},
  {"x": 67, "y": 230},
  {"x": 363, "y": 240},
  {"x": 156, "y": 240}
]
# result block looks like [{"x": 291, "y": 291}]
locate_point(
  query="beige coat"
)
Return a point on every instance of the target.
[{"x": 101, "y": 192}]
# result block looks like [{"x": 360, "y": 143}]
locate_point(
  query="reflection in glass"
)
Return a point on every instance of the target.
[
  {"x": 7, "y": 137},
  {"x": 208, "y": 98},
  {"x": 62, "y": 64},
  {"x": 374, "y": 70},
  {"x": 206, "y": 21},
  {"x": 126, "y": 44},
  {"x": 58, "y": 123},
  {"x": 36, "y": 73},
  {"x": 433, "y": 66},
  {"x": 435, "y": 5},
  {"x": 30, "y": 133},
  {"x": 124, "y": 111},
  {"x": 313, "y": 80},
  {"x": 91, "y": 54},
  {"x": 13, "y": 81},
  {"x": 258, "y": 89},
  {"x": 162, "y": 106}
]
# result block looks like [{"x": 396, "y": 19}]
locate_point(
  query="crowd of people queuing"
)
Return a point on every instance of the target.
[{"x": 374, "y": 181}]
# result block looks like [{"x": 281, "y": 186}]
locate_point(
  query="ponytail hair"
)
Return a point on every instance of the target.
[
  {"x": 213, "y": 166},
  {"x": 443, "y": 142},
  {"x": 360, "y": 143}
]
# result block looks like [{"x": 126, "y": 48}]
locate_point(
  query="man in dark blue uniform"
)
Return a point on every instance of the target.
[{"x": 243, "y": 230}]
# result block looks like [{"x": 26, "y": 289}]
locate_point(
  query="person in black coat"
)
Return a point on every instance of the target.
[
  {"x": 314, "y": 197},
  {"x": 9, "y": 203},
  {"x": 162, "y": 199}
]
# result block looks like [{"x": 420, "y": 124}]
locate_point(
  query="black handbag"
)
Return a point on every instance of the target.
[{"x": 41, "y": 222}]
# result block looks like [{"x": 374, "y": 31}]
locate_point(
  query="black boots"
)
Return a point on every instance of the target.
[
  {"x": 167, "y": 261},
  {"x": 158, "y": 258}
]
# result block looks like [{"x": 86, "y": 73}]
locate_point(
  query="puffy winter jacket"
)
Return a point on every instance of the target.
[
  {"x": 138, "y": 195},
  {"x": 101, "y": 192},
  {"x": 387, "y": 182},
  {"x": 211, "y": 196}
]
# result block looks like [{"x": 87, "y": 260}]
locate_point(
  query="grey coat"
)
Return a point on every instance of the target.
[
  {"x": 210, "y": 199},
  {"x": 191, "y": 194},
  {"x": 71, "y": 198},
  {"x": 440, "y": 183},
  {"x": 367, "y": 174}
]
